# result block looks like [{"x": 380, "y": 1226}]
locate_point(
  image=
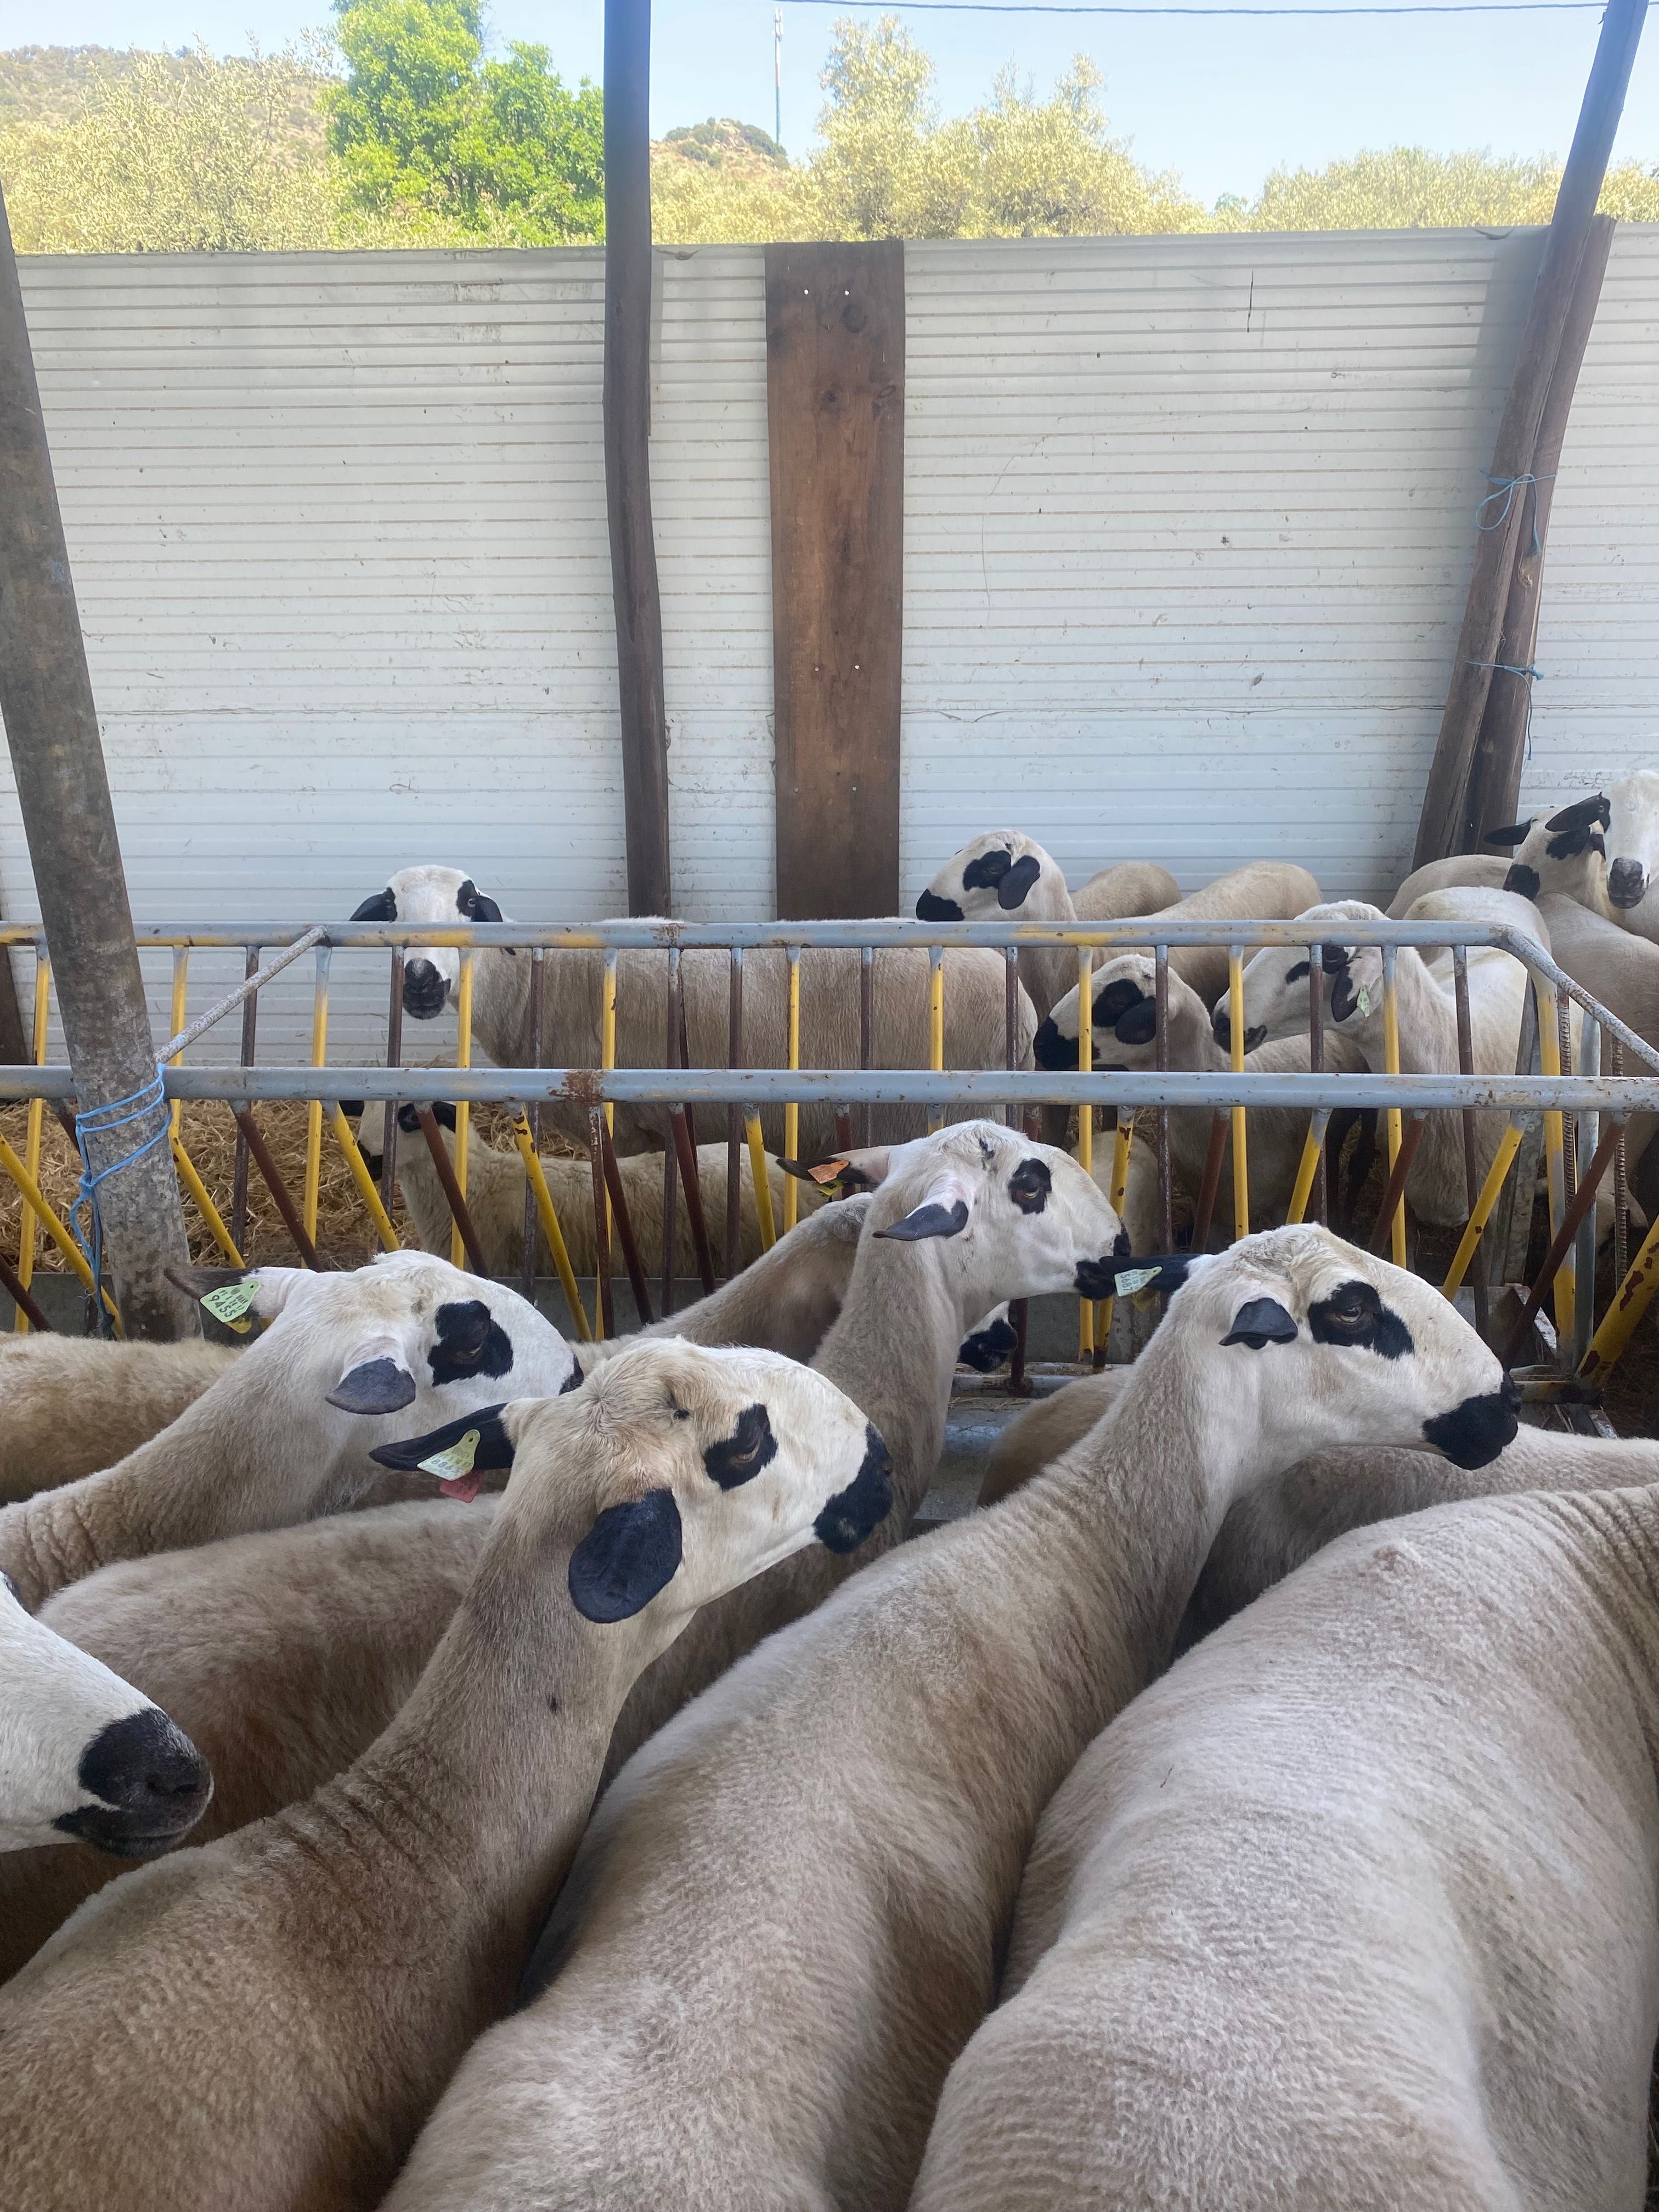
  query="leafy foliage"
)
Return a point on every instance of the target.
[{"x": 1406, "y": 187}]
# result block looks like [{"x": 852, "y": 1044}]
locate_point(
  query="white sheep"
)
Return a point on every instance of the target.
[
  {"x": 69, "y": 1405},
  {"x": 784, "y": 1920},
  {"x": 1355, "y": 1905},
  {"x": 1632, "y": 842},
  {"x": 1006, "y": 876},
  {"x": 975, "y": 1026},
  {"x": 288, "y": 1651},
  {"x": 346, "y": 1362},
  {"x": 1560, "y": 855},
  {"x": 1124, "y": 1036},
  {"x": 82, "y": 1752},
  {"x": 496, "y": 1188},
  {"x": 263, "y": 2022},
  {"x": 1475, "y": 871}
]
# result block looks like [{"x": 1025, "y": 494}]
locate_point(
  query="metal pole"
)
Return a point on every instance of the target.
[
  {"x": 627, "y": 451},
  {"x": 63, "y": 789}
]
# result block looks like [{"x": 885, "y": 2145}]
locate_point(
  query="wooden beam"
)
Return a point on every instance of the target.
[
  {"x": 1494, "y": 787},
  {"x": 834, "y": 404},
  {"x": 627, "y": 451},
  {"x": 1446, "y": 827},
  {"x": 62, "y": 791}
]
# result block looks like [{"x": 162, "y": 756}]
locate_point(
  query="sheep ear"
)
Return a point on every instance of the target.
[
  {"x": 375, "y": 1380},
  {"x": 1260, "y": 1322},
  {"x": 1511, "y": 834},
  {"x": 271, "y": 1285},
  {"x": 493, "y": 1449},
  {"x": 444, "y": 1114},
  {"x": 1582, "y": 814},
  {"x": 1139, "y": 1025},
  {"x": 944, "y": 1212},
  {"x": 383, "y": 907},
  {"x": 1012, "y": 891},
  {"x": 844, "y": 1172},
  {"x": 630, "y": 1553}
]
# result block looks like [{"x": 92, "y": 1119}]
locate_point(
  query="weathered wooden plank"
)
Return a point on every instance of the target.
[{"x": 834, "y": 336}]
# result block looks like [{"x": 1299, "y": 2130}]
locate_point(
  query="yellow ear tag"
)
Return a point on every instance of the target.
[
  {"x": 1131, "y": 1280},
  {"x": 230, "y": 1304},
  {"x": 453, "y": 1467}
]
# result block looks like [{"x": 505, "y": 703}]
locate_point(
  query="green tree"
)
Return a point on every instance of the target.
[
  {"x": 423, "y": 120},
  {"x": 1407, "y": 188}
]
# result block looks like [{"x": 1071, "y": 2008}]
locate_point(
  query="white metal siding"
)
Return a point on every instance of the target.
[{"x": 1188, "y": 527}]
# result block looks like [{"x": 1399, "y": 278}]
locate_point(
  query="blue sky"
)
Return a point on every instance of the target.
[{"x": 1223, "y": 102}]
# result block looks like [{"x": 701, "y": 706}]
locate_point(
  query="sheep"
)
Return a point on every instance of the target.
[
  {"x": 1045, "y": 1429},
  {"x": 1006, "y": 876},
  {"x": 286, "y": 1430},
  {"x": 1276, "y": 986},
  {"x": 69, "y": 1405},
  {"x": 768, "y": 2022},
  {"x": 1621, "y": 971},
  {"x": 284, "y": 1692},
  {"x": 82, "y": 1752},
  {"x": 1355, "y": 1905},
  {"x": 975, "y": 1027},
  {"x": 1476, "y": 870},
  {"x": 1261, "y": 890},
  {"x": 1563, "y": 855},
  {"x": 1632, "y": 842},
  {"x": 263, "y": 2022},
  {"x": 494, "y": 1198},
  {"x": 1124, "y": 1035}
]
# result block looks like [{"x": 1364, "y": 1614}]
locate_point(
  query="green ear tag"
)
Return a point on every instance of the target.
[
  {"x": 230, "y": 1304},
  {"x": 1362, "y": 999},
  {"x": 1131, "y": 1280},
  {"x": 453, "y": 1467}
]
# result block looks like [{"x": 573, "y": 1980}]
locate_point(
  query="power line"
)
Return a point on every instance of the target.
[{"x": 1054, "y": 8}]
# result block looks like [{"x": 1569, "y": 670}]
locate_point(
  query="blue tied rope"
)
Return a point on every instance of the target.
[
  {"x": 1505, "y": 488},
  {"x": 1529, "y": 675},
  {"x": 102, "y": 1120}
]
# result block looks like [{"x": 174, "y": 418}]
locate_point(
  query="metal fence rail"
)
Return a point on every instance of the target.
[{"x": 1574, "y": 1108}]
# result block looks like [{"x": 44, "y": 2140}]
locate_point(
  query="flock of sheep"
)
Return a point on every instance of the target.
[{"x": 562, "y": 1787}]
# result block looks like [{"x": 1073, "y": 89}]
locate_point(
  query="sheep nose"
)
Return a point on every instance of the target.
[
  {"x": 1051, "y": 1050},
  {"x": 1626, "y": 881},
  {"x": 1221, "y": 1022},
  {"x": 153, "y": 1783},
  {"x": 424, "y": 990}
]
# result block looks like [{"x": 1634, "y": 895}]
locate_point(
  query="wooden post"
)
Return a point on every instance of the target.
[
  {"x": 627, "y": 451},
  {"x": 51, "y": 727},
  {"x": 1494, "y": 787},
  {"x": 1446, "y": 827},
  {"x": 834, "y": 409}
]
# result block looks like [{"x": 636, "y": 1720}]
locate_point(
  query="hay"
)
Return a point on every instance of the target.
[{"x": 345, "y": 1236}]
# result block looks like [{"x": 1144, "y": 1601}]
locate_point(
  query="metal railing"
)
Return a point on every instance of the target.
[{"x": 1581, "y": 1114}]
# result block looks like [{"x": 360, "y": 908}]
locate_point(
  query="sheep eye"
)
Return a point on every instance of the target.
[{"x": 1349, "y": 1316}]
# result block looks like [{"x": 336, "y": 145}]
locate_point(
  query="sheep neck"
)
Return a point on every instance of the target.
[
  {"x": 1427, "y": 1021},
  {"x": 1048, "y": 972}
]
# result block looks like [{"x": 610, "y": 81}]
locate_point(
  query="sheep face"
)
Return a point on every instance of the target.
[
  {"x": 390, "y": 1347},
  {"x": 83, "y": 1754},
  {"x": 1564, "y": 854},
  {"x": 446, "y": 898},
  {"x": 1339, "y": 1347},
  {"x": 1632, "y": 843},
  {"x": 1000, "y": 874},
  {"x": 1124, "y": 1032},
  {"x": 1277, "y": 979},
  {"x": 677, "y": 1471},
  {"x": 1029, "y": 1218}
]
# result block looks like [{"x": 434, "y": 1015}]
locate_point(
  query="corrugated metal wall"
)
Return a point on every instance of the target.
[{"x": 1188, "y": 526}]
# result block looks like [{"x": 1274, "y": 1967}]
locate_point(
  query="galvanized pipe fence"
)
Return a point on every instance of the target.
[{"x": 1577, "y": 1116}]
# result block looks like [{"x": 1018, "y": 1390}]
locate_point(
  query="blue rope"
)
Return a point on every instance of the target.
[
  {"x": 1506, "y": 487},
  {"x": 101, "y": 1121},
  {"x": 1529, "y": 675}
]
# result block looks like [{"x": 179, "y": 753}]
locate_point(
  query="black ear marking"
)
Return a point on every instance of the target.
[
  {"x": 1525, "y": 882},
  {"x": 1344, "y": 996},
  {"x": 739, "y": 1457},
  {"x": 1139, "y": 1025},
  {"x": 377, "y": 1386},
  {"x": 1582, "y": 814},
  {"x": 495, "y": 1446},
  {"x": 931, "y": 908},
  {"x": 1114, "y": 1000},
  {"x": 1012, "y": 891},
  {"x": 1261, "y": 1322},
  {"x": 383, "y": 907},
  {"x": 471, "y": 1341},
  {"x": 930, "y": 1220},
  {"x": 631, "y": 1552},
  {"x": 985, "y": 873},
  {"x": 1292, "y": 975},
  {"x": 1511, "y": 834},
  {"x": 1030, "y": 1185}
]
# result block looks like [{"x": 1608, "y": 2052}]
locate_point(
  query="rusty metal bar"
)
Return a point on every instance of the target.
[
  {"x": 460, "y": 1213},
  {"x": 694, "y": 1200},
  {"x": 1391, "y": 1213},
  {"x": 1212, "y": 1180},
  {"x": 670, "y": 1151},
  {"x": 13, "y": 1286},
  {"x": 1581, "y": 1203},
  {"x": 1161, "y": 1046},
  {"x": 623, "y": 1220},
  {"x": 1019, "y": 1310},
  {"x": 734, "y": 1117},
  {"x": 1321, "y": 1197},
  {"x": 1019, "y": 1382},
  {"x": 532, "y": 1210},
  {"x": 867, "y": 1020},
  {"x": 394, "y": 1058},
  {"x": 1620, "y": 1177},
  {"x": 604, "y": 1316},
  {"x": 272, "y": 1176}
]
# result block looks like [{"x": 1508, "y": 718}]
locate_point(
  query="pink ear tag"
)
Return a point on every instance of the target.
[{"x": 453, "y": 1468}]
